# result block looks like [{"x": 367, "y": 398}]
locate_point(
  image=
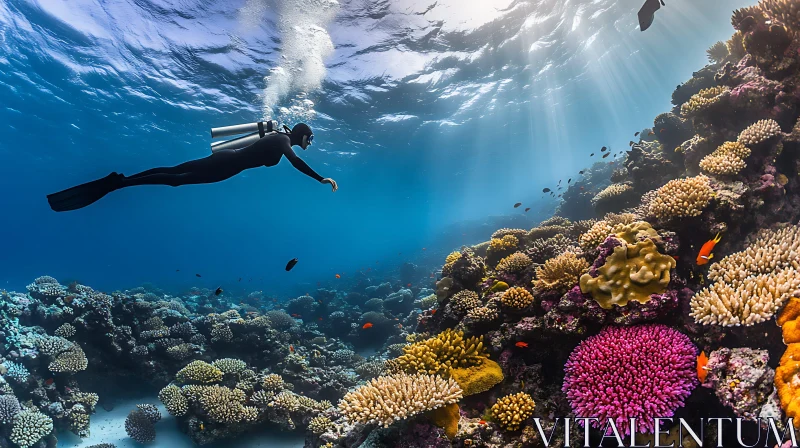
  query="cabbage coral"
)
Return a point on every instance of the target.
[
  {"x": 682, "y": 198},
  {"x": 642, "y": 372},
  {"x": 753, "y": 284},
  {"x": 631, "y": 272},
  {"x": 510, "y": 411},
  {"x": 386, "y": 399},
  {"x": 561, "y": 273},
  {"x": 516, "y": 298}
]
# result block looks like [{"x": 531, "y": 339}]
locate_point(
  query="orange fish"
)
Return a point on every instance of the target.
[
  {"x": 482, "y": 422},
  {"x": 399, "y": 325},
  {"x": 705, "y": 251},
  {"x": 367, "y": 325},
  {"x": 49, "y": 381},
  {"x": 408, "y": 285},
  {"x": 338, "y": 276},
  {"x": 291, "y": 348},
  {"x": 320, "y": 319},
  {"x": 676, "y": 258},
  {"x": 521, "y": 344},
  {"x": 702, "y": 360},
  {"x": 433, "y": 311}
]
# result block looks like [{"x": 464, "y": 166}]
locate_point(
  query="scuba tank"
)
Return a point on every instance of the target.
[{"x": 257, "y": 131}]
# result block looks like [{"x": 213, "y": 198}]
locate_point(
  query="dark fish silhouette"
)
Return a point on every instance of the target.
[
  {"x": 546, "y": 190},
  {"x": 177, "y": 270},
  {"x": 636, "y": 134},
  {"x": 517, "y": 204},
  {"x": 603, "y": 148},
  {"x": 648, "y": 13},
  {"x": 606, "y": 155},
  {"x": 580, "y": 172},
  {"x": 569, "y": 180},
  {"x": 559, "y": 181},
  {"x": 240, "y": 279},
  {"x": 679, "y": 86},
  {"x": 527, "y": 209},
  {"x": 218, "y": 291},
  {"x": 291, "y": 264},
  {"x": 592, "y": 154},
  {"x": 197, "y": 275}
]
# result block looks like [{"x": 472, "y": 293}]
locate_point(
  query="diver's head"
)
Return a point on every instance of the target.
[{"x": 301, "y": 135}]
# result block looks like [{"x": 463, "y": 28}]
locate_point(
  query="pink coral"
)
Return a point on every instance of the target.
[{"x": 643, "y": 371}]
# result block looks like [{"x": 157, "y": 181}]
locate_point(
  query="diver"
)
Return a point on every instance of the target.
[{"x": 219, "y": 166}]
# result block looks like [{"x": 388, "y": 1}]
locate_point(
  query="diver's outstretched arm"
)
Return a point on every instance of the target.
[{"x": 300, "y": 165}]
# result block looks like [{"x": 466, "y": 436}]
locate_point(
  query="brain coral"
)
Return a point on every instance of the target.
[
  {"x": 386, "y": 399},
  {"x": 631, "y": 272},
  {"x": 682, "y": 198},
  {"x": 511, "y": 410},
  {"x": 560, "y": 273},
  {"x": 643, "y": 371}
]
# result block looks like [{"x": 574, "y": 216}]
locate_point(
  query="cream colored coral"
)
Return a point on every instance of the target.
[
  {"x": 225, "y": 405},
  {"x": 199, "y": 372},
  {"x": 595, "y": 236},
  {"x": 513, "y": 263},
  {"x": 759, "y": 131},
  {"x": 703, "y": 100},
  {"x": 483, "y": 314},
  {"x": 464, "y": 301},
  {"x": 173, "y": 400},
  {"x": 511, "y": 410},
  {"x": 753, "y": 284},
  {"x": 320, "y": 424},
  {"x": 726, "y": 160},
  {"x": 516, "y": 298},
  {"x": 560, "y": 273},
  {"x": 65, "y": 331},
  {"x": 70, "y": 361},
  {"x": 387, "y": 399},
  {"x": 610, "y": 192},
  {"x": 682, "y": 198},
  {"x": 273, "y": 382},
  {"x": 519, "y": 233}
]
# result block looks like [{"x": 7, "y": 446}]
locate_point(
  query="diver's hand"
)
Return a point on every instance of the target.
[{"x": 333, "y": 183}]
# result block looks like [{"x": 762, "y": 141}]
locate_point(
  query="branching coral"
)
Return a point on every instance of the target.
[
  {"x": 560, "y": 273},
  {"x": 703, "y": 100},
  {"x": 9, "y": 408},
  {"x": 439, "y": 354},
  {"x": 199, "y": 372},
  {"x": 65, "y": 331},
  {"x": 631, "y": 272},
  {"x": 513, "y": 263},
  {"x": 70, "y": 361},
  {"x": 510, "y": 411},
  {"x": 173, "y": 400},
  {"x": 140, "y": 427},
  {"x": 727, "y": 160},
  {"x": 717, "y": 52},
  {"x": 516, "y": 298},
  {"x": 610, "y": 193},
  {"x": 682, "y": 198},
  {"x": 225, "y": 405},
  {"x": 230, "y": 365},
  {"x": 29, "y": 427},
  {"x": 464, "y": 301},
  {"x": 595, "y": 236},
  {"x": 753, "y": 284},
  {"x": 386, "y": 399},
  {"x": 759, "y": 132},
  {"x": 641, "y": 372}
]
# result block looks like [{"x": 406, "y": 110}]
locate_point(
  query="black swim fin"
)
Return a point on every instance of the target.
[
  {"x": 647, "y": 13},
  {"x": 84, "y": 194}
]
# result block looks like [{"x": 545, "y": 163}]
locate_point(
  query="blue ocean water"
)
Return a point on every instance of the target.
[{"x": 433, "y": 117}]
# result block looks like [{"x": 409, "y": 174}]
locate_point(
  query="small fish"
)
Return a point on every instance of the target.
[
  {"x": 320, "y": 319},
  {"x": 580, "y": 172},
  {"x": 631, "y": 143},
  {"x": 679, "y": 86},
  {"x": 291, "y": 348},
  {"x": 482, "y": 422},
  {"x": 339, "y": 276},
  {"x": 424, "y": 248},
  {"x": 218, "y": 291},
  {"x": 606, "y": 155},
  {"x": 591, "y": 155},
  {"x": 546, "y": 190},
  {"x": 408, "y": 285},
  {"x": 291, "y": 264},
  {"x": 582, "y": 188},
  {"x": 517, "y": 204},
  {"x": 177, "y": 270},
  {"x": 202, "y": 426},
  {"x": 197, "y": 275},
  {"x": 367, "y": 325},
  {"x": 636, "y": 134},
  {"x": 569, "y": 180},
  {"x": 676, "y": 258},
  {"x": 400, "y": 326},
  {"x": 702, "y": 361},
  {"x": 49, "y": 381},
  {"x": 521, "y": 344},
  {"x": 433, "y": 311},
  {"x": 705, "y": 252},
  {"x": 527, "y": 209},
  {"x": 603, "y": 149},
  {"x": 240, "y": 279}
]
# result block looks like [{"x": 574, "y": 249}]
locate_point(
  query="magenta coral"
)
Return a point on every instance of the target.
[{"x": 643, "y": 371}]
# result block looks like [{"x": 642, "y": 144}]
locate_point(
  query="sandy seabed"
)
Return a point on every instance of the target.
[{"x": 109, "y": 427}]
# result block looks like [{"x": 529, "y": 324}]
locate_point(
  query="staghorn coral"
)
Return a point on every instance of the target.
[
  {"x": 758, "y": 132},
  {"x": 29, "y": 427},
  {"x": 631, "y": 272},
  {"x": 9, "y": 408},
  {"x": 560, "y": 273},
  {"x": 320, "y": 424},
  {"x": 516, "y": 298},
  {"x": 513, "y": 263},
  {"x": 510, "y": 411},
  {"x": 140, "y": 427},
  {"x": 682, "y": 198},
  {"x": 199, "y": 372},
  {"x": 641, "y": 371},
  {"x": 225, "y": 405},
  {"x": 386, "y": 399},
  {"x": 262, "y": 398},
  {"x": 449, "y": 349},
  {"x": 703, "y": 100},
  {"x": 464, "y": 301},
  {"x": 727, "y": 160},
  {"x": 751, "y": 285},
  {"x": 173, "y": 400},
  {"x": 65, "y": 331}
]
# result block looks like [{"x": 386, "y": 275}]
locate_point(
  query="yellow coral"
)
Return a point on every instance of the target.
[
  {"x": 759, "y": 131},
  {"x": 726, "y": 160},
  {"x": 635, "y": 231},
  {"x": 446, "y": 417},
  {"x": 631, "y": 272},
  {"x": 226, "y": 405},
  {"x": 516, "y": 298},
  {"x": 703, "y": 100},
  {"x": 450, "y": 260},
  {"x": 595, "y": 236},
  {"x": 515, "y": 262},
  {"x": 464, "y": 301},
  {"x": 173, "y": 400},
  {"x": 441, "y": 353},
  {"x": 560, "y": 273},
  {"x": 505, "y": 243},
  {"x": 682, "y": 198},
  {"x": 199, "y": 372},
  {"x": 480, "y": 378},
  {"x": 511, "y": 410},
  {"x": 787, "y": 382}
]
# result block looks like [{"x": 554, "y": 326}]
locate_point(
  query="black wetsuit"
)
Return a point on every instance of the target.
[{"x": 224, "y": 164}]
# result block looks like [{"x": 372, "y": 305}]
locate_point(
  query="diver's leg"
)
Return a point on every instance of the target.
[{"x": 85, "y": 194}]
